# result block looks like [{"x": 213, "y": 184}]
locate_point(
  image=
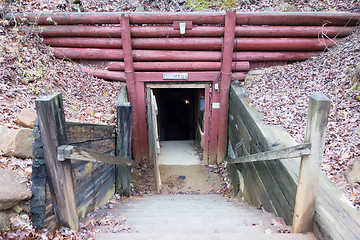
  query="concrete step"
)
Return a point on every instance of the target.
[
  {"x": 191, "y": 217},
  {"x": 238, "y": 236}
]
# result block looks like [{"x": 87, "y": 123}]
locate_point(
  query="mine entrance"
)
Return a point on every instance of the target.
[{"x": 177, "y": 110}]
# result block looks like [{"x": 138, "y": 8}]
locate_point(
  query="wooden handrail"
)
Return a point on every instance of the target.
[
  {"x": 283, "y": 153},
  {"x": 68, "y": 152}
]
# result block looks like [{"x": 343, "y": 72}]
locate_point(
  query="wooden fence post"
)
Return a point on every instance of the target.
[
  {"x": 53, "y": 134},
  {"x": 123, "y": 142},
  {"x": 310, "y": 168}
]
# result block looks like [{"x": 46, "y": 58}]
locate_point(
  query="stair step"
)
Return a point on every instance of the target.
[{"x": 237, "y": 236}]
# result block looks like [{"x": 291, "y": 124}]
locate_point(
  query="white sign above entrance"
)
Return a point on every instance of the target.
[{"x": 175, "y": 76}]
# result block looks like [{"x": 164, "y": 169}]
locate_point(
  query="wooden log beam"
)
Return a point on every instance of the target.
[
  {"x": 113, "y": 18},
  {"x": 272, "y": 56},
  {"x": 256, "y": 18},
  {"x": 292, "y": 31},
  {"x": 68, "y": 152},
  {"x": 158, "y": 76},
  {"x": 180, "y": 56},
  {"x": 282, "y": 153},
  {"x": 51, "y": 118},
  {"x": 226, "y": 71},
  {"x": 310, "y": 167},
  {"x": 196, "y": 31},
  {"x": 283, "y": 44},
  {"x": 105, "y": 74},
  {"x": 298, "y": 18},
  {"x": 205, "y": 44},
  {"x": 178, "y": 66}
]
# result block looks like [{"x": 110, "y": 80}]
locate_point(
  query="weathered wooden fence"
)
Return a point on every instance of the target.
[
  {"x": 272, "y": 184},
  {"x": 71, "y": 181}
]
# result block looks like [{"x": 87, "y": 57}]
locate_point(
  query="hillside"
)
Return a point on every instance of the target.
[{"x": 28, "y": 70}]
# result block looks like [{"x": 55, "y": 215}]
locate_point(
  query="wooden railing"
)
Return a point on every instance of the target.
[
  {"x": 311, "y": 152},
  {"x": 58, "y": 155}
]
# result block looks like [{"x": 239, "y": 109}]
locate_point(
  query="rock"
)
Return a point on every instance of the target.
[
  {"x": 286, "y": 7},
  {"x": 16, "y": 142},
  {"x": 13, "y": 189},
  {"x": 249, "y": 79},
  {"x": 352, "y": 174},
  {"x": 26, "y": 118}
]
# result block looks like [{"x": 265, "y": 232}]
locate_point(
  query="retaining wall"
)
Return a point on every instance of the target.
[{"x": 273, "y": 184}]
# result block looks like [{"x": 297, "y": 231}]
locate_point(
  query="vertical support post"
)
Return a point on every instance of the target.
[
  {"x": 207, "y": 126},
  {"x": 138, "y": 151},
  {"x": 310, "y": 168},
  {"x": 214, "y": 123},
  {"x": 123, "y": 143},
  {"x": 226, "y": 70},
  {"x": 53, "y": 134}
]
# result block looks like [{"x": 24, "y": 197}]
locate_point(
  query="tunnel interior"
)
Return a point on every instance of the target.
[{"x": 178, "y": 111}]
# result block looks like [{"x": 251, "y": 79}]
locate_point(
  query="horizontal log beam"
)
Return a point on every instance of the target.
[
  {"x": 283, "y": 44},
  {"x": 283, "y": 153},
  {"x": 162, "y": 55},
  {"x": 298, "y": 18},
  {"x": 242, "y": 44},
  {"x": 256, "y": 18},
  {"x": 272, "y": 56},
  {"x": 105, "y": 74},
  {"x": 178, "y": 66},
  {"x": 196, "y": 31},
  {"x": 199, "y": 76},
  {"x": 68, "y": 152},
  {"x": 292, "y": 31},
  {"x": 113, "y": 18}
]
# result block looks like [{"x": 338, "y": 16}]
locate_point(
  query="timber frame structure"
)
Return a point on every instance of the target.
[{"x": 213, "y": 48}]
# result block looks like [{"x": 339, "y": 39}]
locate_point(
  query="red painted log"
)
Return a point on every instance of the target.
[
  {"x": 163, "y": 55},
  {"x": 243, "y": 44},
  {"x": 113, "y": 18},
  {"x": 178, "y": 66},
  {"x": 272, "y": 56},
  {"x": 226, "y": 71},
  {"x": 194, "y": 56},
  {"x": 283, "y": 44},
  {"x": 298, "y": 18},
  {"x": 157, "y": 76},
  {"x": 136, "y": 31},
  {"x": 110, "y": 75},
  {"x": 238, "y": 76},
  {"x": 292, "y": 31},
  {"x": 196, "y": 31},
  {"x": 138, "y": 119},
  {"x": 89, "y": 53},
  {"x": 267, "y": 64},
  {"x": 83, "y": 42}
]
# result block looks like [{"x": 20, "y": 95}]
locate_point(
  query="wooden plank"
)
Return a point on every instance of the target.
[
  {"x": 282, "y": 153},
  {"x": 105, "y": 146},
  {"x": 310, "y": 168},
  {"x": 68, "y": 152},
  {"x": 123, "y": 143},
  {"x": 279, "y": 201},
  {"x": 82, "y": 132},
  {"x": 53, "y": 134}
]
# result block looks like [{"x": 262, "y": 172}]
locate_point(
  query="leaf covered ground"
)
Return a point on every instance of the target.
[{"x": 28, "y": 70}]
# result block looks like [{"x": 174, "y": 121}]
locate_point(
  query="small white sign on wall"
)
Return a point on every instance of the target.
[{"x": 216, "y": 105}]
